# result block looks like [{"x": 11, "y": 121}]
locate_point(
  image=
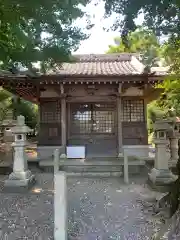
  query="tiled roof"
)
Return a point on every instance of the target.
[
  {"x": 117, "y": 64},
  {"x": 101, "y": 65},
  {"x": 160, "y": 70},
  {"x": 8, "y": 74}
]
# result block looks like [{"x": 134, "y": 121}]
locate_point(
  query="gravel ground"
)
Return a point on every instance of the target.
[
  {"x": 105, "y": 209},
  {"x": 97, "y": 209},
  {"x": 28, "y": 216}
]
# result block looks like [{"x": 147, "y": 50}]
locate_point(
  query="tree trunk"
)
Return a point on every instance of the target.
[
  {"x": 174, "y": 227},
  {"x": 171, "y": 229}
]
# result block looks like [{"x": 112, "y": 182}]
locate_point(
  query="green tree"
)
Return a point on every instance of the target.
[
  {"x": 5, "y": 104},
  {"x": 162, "y": 17},
  {"x": 171, "y": 96},
  {"x": 27, "y": 109},
  {"x": 37, "y": 31},
  {"x": 154, "y": 113},
  {"x": 44, "y": 31},
  {"x": 142, "y": 41}
]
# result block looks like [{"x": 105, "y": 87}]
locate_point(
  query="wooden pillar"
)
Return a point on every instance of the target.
[
  {"x": 145, "y": 140},
  {"x": 63, "y": 118},
  {"x": 126, "y": 169},
  {"x": 16, "y": 101},
  {"x": 39, "y": 110},
  {"x": 145, "y": 104},
  {"x": 119, "y": 113}
]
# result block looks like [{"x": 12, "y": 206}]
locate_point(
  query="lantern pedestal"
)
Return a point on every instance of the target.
[
  {"x": 161, "y": 179},
  {"x": 19, "y": 182}
]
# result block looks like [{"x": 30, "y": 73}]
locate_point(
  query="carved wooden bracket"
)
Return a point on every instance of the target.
[
  {"x": 125, "y": 87},
  {"x": 115, "y": 94},
  {"x": 60, "y": 93},
  {"x": 69, "y": 97},
  {"x": 42, "y": 89},
  {"x": 91, "y": 89},
  {"x": 63, "y": 95}
]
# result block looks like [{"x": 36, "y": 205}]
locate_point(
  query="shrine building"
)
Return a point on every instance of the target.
[{"x": 97, "y": 101}]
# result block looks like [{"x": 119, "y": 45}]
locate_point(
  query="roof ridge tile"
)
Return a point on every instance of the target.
[{"x": 113, "y": 57}]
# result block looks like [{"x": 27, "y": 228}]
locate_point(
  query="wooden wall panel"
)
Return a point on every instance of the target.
[
  {"x": 134, "y": 133},
  {"x": 50, "y": 123},
  {"x": 134, "y": 127}
]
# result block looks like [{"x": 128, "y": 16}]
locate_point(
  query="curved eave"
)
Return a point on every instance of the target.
[
  {"x": 29, "y": 94},
  {"x": 58, "y": 79},
  {"x": 23, "y": 87},
  {"x": 27, "y": 87},
  {"x": 67, "y": 77},
  {"x": 134, "y": 75}
]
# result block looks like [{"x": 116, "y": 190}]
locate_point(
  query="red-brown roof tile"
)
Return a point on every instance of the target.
[
  {"x": 101, "y": 64},
  {"x": 92, "y": 65}
]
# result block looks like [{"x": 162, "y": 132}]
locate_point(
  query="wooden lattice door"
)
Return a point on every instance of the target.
[{"x": 94, "y": 125}]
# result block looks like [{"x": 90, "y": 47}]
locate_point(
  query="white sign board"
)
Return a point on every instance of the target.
[{"x": 75, "y": 152}]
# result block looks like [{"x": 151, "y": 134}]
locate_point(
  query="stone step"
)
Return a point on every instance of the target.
[
  {"x": 95, "y": 166},
  {"x": 92, "y": 162},
  {"x": 94, "y": 174},
  {"x": 91, "y": 168},
  {"x": 102, "y": 159}
]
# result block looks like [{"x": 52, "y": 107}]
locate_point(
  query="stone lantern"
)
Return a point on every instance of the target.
[
  {"x": 161, "y": 175},
  {"x": 174, "y": 136},
  {"x": 21, "y": 178},
  {"x": 7, "y": 139},
  {"x": 177, "y": 129},
  {"x": 7, "y": 133}
]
